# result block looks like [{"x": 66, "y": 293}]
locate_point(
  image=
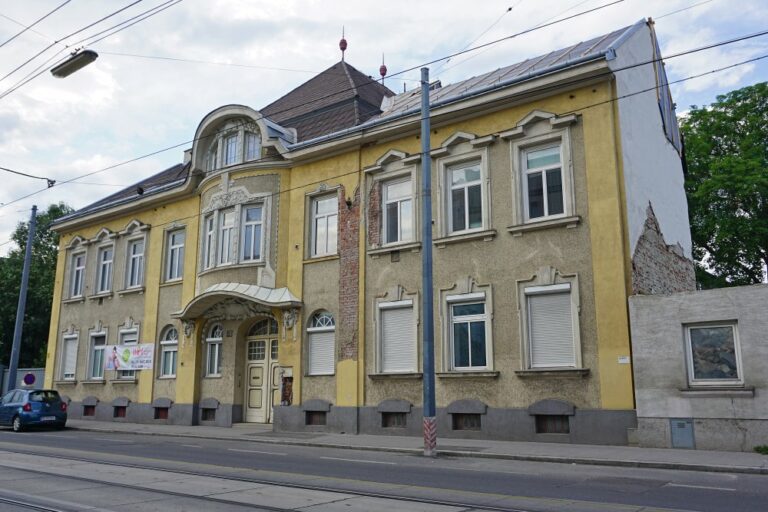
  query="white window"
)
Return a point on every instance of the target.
[
  {"x": 69, "y": 357},
  {"x": 213, "y": 351},
  {"x": 128, "y": 337},
  {"x": 77, "y": 275},
  {"x": 468, "y": 332},
  {"x": 169, "y": 351},
  {"x": 251, "y": 238},
  {"x": 551, "y": 326},
  {"x": 321, "y": 337},
  {"x": 98, "y": 345},
  {"x": 209, "y": 242},
  {"x": 226, "y": 231},
  {"x": 230, "y": 150},
  {"x": 104, "y": 275},
  {"x": 252, "y": 146},
  {"x": 714, "y": 355},
  {"x": 325, "y": 214},
  {"x": 397, "y": 200},
  {"x": 174, "y": 261},
  {"x": 465, "y": 200},
  {"x": 543, "y": 182},
  {"x": 398, "y": 337},
  {"x": 135, "y": 263},
  {"x": 212, "y": 160}
]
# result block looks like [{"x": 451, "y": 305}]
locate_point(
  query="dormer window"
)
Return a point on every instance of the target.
[
  {"x": 230, "y": 150},
  {"x": 252, "y": 146},
  {"x": 235, "y": 142},
  {"x": 211, "y": 158}
]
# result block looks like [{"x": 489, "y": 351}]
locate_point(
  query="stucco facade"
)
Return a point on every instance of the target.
[{"x": 299, "y": 300}]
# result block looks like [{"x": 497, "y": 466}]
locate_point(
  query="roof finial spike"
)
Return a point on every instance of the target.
[
  {"x": 342, "y": 44},
  {"x": 382, "y": 69}
]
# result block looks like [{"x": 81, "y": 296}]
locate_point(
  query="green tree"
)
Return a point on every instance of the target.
[
  {"x": 726, "y": 148},
  {"x": 41, "y": 277}
]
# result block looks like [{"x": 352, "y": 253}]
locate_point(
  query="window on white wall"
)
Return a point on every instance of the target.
[
  {"x": 213, "y": 343},
  {"x": 69, "y": 357},
  {"x": 469, "y": 332},
  {"x": 543, "y": 189},
  {"x": 230, "y": 150},
  {"x": 226, "y": 235},
  {"x": 321, "y": 337},
  {"x": 465, "y": 197},
  {"x": 169, "y": 347},
  {"x": 174, "y": 260},
  {"x": 714, "y": 354},
  {"x": 135, "y": 275},
  {"x": 77, "y": 275},
  {"x": 209, "y": 241},
  {"x": 104, "y": 274},
  {"x": 251, "y": 238},
  {"x": 98, "y": 345},
  {"x": 397, "y": 347},
  {"x": 550, "y": 320},
  {"x": 325, "y": 214},
  {"x": 397, "y": 205}
]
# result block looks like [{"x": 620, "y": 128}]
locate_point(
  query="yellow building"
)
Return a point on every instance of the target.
[{"x": 275, "y": 275}]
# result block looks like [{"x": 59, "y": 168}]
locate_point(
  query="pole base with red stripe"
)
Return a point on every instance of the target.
[{"x": 430, "y": 436}]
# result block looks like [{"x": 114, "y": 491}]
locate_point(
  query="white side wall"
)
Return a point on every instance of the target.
[{"x": 653, "y": 170}]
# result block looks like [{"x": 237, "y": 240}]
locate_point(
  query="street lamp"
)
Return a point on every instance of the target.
[{"x": 78, "y": 60}]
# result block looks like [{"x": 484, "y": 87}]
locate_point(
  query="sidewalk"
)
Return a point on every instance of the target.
[{"x": 625, "y": 456}]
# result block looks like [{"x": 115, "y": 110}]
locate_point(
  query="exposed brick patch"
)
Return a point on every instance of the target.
[
  {"x": 658, "y": 268},
  {"x": 349, "y": 280},
  {"x": 374, "y": 215}
]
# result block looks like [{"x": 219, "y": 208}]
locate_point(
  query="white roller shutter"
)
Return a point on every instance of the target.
[
  {"x": 321, "y": 352},
  {"x": 398, "y": 339},
  {"x": 70, "y": 358},
  {"x": 550, "y": 329}
]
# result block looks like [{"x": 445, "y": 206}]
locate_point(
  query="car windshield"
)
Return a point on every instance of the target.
[{"x": 44, "y": 396}]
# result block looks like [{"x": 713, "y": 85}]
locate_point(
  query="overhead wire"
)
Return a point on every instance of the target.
[
  {"x": 29, "y": 27},
  {"x": 683, "y": 9}
]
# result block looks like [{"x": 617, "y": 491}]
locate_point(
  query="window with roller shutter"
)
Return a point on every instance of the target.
[
  {"x": 550, "y": 326},
  {"x": 397, "y": 337},
  {"x": 321, "y": 338},
  {"x": 69, "y": 358}
]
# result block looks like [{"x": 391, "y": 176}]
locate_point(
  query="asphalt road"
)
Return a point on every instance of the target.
[{"x": 536, "y": 486}]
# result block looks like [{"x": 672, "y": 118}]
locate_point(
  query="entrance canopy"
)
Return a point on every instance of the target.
[{"x": 244, "y": 295}]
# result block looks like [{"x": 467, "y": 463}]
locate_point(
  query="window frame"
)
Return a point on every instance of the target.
[
  {"x": 525, "y": 172},
  {"x": 462, "y": 155},
  {"x": 100, "y": 268},
  {"x": 249, "y": 135},
  {"x": 129, "y": 260},
  {"x": 225, "y": 244},
  {"x": 486, "y": 317},
  {"x": 313, "y": 329},
  {"x": 214, "y": 350},
  {"x": 63, "y": 374},
  {"x": 465, "y": 188},
  {"x": 79, "y": 292},
  {"x": 229, "y": 154},
  {"x": 179, "y": 250},
  {"x": 262, "y": 239},
  {"x": 704, "y": 383},
  {"x": 169, "y": 346},
  {"x": 92, "y": 355},
  {"x": 133, "y": 332},
  {"x": 314, "y": 216},
  {"x": 552, "y": 289},
  {"x": 382, "y": 307},
  {"x": 385, "y": 201},
  {"x": 209, "y": 230}
]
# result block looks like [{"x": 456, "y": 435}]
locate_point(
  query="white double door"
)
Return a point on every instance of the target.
[{"x": 262, "y": 379}]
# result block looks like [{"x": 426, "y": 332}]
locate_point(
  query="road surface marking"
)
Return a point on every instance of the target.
[
  {"x": 358, "y": 460},
  {"x": 53, "y": 435},
  {"x": 111, "y": 440},
  {"x": 254, "y": 451},
  {"x": 192, "y": 445},
  {"x": 701, "y": 487}
]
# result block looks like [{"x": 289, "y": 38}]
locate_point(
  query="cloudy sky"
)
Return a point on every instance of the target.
[{"x": 143, "y": 94}]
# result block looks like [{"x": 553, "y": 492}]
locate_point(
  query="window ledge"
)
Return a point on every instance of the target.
[
  {"x": 74, "y": 300},
  {"x": 167, "y": 377},
  {"x": 553, "y": 372},
  {"x": 172, "y": 282},
  {"x": 124, "y": 381},
  {"x": 410, "y": 246},
  {"x": 100, "y": 295},
  {"x": 128, "y": 291},
  {"x": 568, "y": 222},
  {"x": 65, "y": 382},
  {"x": 318, "y": 259},
  {"x": 100, "y": 382},
  {"x": 395, "y": 376},
  {"x": 468, "y": 375},
  {"x": 718, "y": 392},
  {"x": 485, "y": 235},
  {"x": 213, "y": 376}
]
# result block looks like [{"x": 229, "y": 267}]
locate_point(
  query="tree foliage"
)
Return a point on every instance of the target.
[
  {"x": 40, "y": 294},
  {"x": 726, "y": 148}
]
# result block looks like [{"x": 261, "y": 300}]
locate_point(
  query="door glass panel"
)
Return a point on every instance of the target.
[
  {"x": 256, "y": 376},
  {"x": 257, "y": 350},
  {"x": 254, "y": 398},
  {"x": 273, "y": 351}
]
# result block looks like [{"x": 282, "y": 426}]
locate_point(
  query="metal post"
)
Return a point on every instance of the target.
[
  {"x": 22, "y": 303},
  {"x": 428, "y": 324}
]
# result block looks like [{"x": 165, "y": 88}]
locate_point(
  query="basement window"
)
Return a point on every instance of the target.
[
  {"x": 161, "y": 413},
  {"x": 465, "y": 421},
  {"x": 89, "y": 410},
  {"x": 119, "y": 411},
  {"x": 552, "y": 424},
  {"x": 316, "y": 418},
  {"x": 393, "y": 419},
  {"x": 208, "y": 415}
]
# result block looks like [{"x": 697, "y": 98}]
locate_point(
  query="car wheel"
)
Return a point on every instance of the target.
[{"x": 17, "y": 426}]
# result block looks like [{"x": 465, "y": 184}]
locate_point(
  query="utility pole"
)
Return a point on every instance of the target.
[
  {"x": 428, "y": 325},
  {"x": 22, "y": 303}
]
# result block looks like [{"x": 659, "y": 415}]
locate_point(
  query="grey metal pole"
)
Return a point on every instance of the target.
[
  {"x": 22, "y": 303},
  {"x": 428, "y": 324}
]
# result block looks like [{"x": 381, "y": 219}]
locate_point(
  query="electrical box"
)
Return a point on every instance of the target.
[{"x": 682, "y": 433}]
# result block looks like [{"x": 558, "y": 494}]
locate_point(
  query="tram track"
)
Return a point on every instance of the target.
[{"x": 29, "y": 506}]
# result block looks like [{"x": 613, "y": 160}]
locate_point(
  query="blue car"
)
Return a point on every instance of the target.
[{"x": 24, "y": 408}]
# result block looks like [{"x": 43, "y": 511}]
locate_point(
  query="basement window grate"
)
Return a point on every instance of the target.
[
  {"x": 466, "y": 421},
  {"x": 393, "y": 419},
  {"x": 552, "y": 424},
  {"x": 317, "y": 418}
]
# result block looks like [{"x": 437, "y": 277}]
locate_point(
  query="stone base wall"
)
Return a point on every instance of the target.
[
  {"x": 587, "y": 426},
  {"x": 737, "y": 435},
  {"x": 178, "y": 414}
]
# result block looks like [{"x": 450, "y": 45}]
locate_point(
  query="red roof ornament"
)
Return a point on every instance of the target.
[
  {"x": 382, "y": 69},
  {"x": 342, "y": 44}
]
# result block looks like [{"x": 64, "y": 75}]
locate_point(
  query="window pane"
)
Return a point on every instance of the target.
[
  {"x": 327, "y": 205},
  {"x": 230, "y": 150},
  {"x": 332, "y": 233},
  {"x": 554, "y": 192},
  {"x": 460, "y": 344},
  {"x": 399, "y": 190},
  {"x": 713, "y": 351},
  {"x": 251, "y": 146},
  {"x": 465, "y": 175},
  {"x": 543, "y": 157},
  {"x": 535, "y": 196},
  {"x": 475, "y": 207},
  {"x": 247, "y": 242},
  {"x": 253, "y": 214},
  {"x": 457, "y": 210},
  {"x": 477, "y": 337},
  {"x": 468, "y": 309},
  {"x": 321, "y": 236},
  {"x": 406, "y": 220},
  {"x": 392, "y": 228}
]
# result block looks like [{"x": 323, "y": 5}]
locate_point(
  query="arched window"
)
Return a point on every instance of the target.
[
  {"x": 213, "y": 351},
  {"x": 234, "y": 142},
  {"x": 169, "y": 351},
  {"x": 264, "y": 327},
  {"x": 321, "y": 338}
]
